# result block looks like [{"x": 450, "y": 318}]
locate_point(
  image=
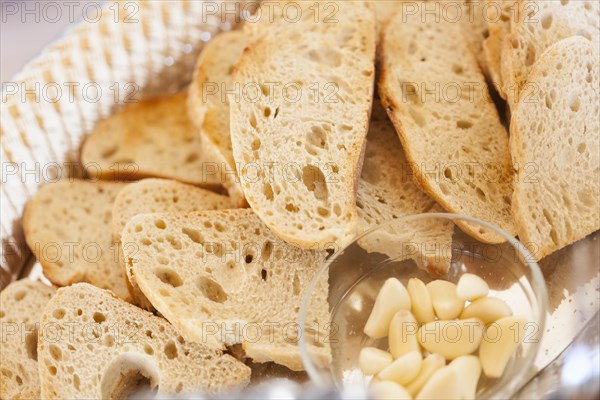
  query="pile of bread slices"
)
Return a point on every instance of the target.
[{"x": 208, "y": 212}]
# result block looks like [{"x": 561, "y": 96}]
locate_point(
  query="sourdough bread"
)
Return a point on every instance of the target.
[
  {"x": 208, "y": 106},
  {"x": 152, "y": 138},
  {"x": 538, "y": 26},
  {"x": 21, "y": 305},
  {"x": 298, "y": 143},
  {"x": 95, "y": 346},
  {"x": 500, "y": 16},
  {"x": 555, "y": 143},
  {"x": 448, "y": 125},
  {"x": 223, "y": 278},
  {"x": 158, "y": 195},
  {"x": 68, "y": 227},
  {"x": 387, "y": 192}
]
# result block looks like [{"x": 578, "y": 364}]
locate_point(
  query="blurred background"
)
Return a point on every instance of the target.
[{"x": 27, "y": 26}]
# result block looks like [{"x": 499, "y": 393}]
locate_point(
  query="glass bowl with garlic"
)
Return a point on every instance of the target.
[{"x": 428, "y": 306}]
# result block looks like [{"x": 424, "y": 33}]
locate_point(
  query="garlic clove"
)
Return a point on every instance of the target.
[
  {"x": 468, "y": 369},
  {"x": 391, "y": 298},
  {"x": 432, "y": 363},
  {"x": 487, "y": 309},
  {"x": 471, "y": 287},
  {"x": 384, "y": 390},
  {"x": 403, "y": 334},
  {"x": 422, "y": 307},
  {"x": 446, "y": 303},
  {"x": 404, "y": 369},
  {"x": 501, "y": 340},
  {"x": 451, "y": 339},
  {"x": 372, "y": 360},
  {"x": 442, "y": 385}
]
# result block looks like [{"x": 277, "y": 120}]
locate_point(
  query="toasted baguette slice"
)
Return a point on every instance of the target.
[
  {"x": 95, "y": 346},
  {"x": 158, "y": 195},
  {"x": 21, "y": 305},
  {"x": 555, "y": 143},
  {"x": 208, "y": 106},
  {"x": 387, "y": 192},
  {"x": 539, "y": 25},
  {"x": 152, "y": 138},
  {"x": 457, "y": 147},
  {"x": 68, "y": 227},
  {"x": 222, "y": 277},
  {"x": 384, "y": 10},
  {"x": 474, "y": 27},
  {"x": 299, "y": 157},
  {"x": 500, "y": 16}
]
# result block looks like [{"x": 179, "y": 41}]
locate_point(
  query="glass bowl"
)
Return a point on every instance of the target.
[{"x": 428, "y": 247}]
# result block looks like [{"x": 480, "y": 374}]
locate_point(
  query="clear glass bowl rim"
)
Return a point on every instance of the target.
[{"x": 537, "y": 283}]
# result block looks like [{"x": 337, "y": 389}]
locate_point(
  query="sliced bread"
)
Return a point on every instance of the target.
[
  {"x": 68, "y": 227},
  {"x": 95, "y": 346},
  {"x": 540, "y": 24},
  {"x": 223, "y": 278},
  {"x": 387, "y": 192},
  {"x": 555, "y": 143},
  {"x": 448, "y": 125},
  {"x": 298, "y": 128},
  {"x": 158, "y": 195},
  {"x": 474, "y": 26},
  {"x": 152, "y": 138},
  {"x": 208, "y": 106},
  {"x": 21, "y": 305},
  {"x": 500, "y": 14}
]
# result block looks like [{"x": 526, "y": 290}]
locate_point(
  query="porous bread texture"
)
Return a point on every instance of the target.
[
  {"x": 223, "y": 278},
  {"x": 447, "y": 123},
  {"x": 208, "y": 105},
  {"x": 21, "y": 305},
  {"x": 540, "y": 24},
  {"x": 555, "y": 144},
  {"x": 93, "y": 345},
  {"x": 474, "y": 26},
  {"x": 152, "y": 138},
  {"x": 500, "y": 16},
  {"x": 68, "y": 227},
  {"x": 384, "y": 10},
  {"x": 298, "y": 143},
  {"x": 158, "y": 195},
  {"x": 387, "y": 192}
]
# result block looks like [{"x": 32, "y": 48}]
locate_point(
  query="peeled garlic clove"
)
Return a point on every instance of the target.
[
  {"x": 391, "y": 298},
  {"x": 403, "y": 334},
  {"x": 451, "y": 339},
  {"x": 432, "y": 363},
  {"x": 500, "y": 341},
  {"x": 404, "y": 369},
  {"x": 446, "y": 303},
  {"x": 388, "y": 390},
  {"x": 422, "y": 308},
  {"x": 442, "y": 385},
  {"x": 372, "y": 360},
  {"x": 487, "y": 309},
  {"x": 469, "y": 371},
  {"x": 471, "y": 287}
]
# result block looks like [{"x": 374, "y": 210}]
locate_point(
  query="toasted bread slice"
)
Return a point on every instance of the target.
[
  {"x": 21, "y": 305},
  {"x": 152, "y": 138},
  {"x": 448, "y": 125},
  {"x": 299, "y": 157},
  {"x": 474, "y": 27},
  {"x": 223, "y": 278},
  {"x": 158, "y": 195},
  {"x": 208, "y": 105},
  {"x": 68, "y": 227},
  {"x": 387, "y": 192},
  {"x": 500, "y": 16},
  {"x": 538, "y": 26},
  {"x": 555, "y": 143},
  {"x": 95, "y": 346}
]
